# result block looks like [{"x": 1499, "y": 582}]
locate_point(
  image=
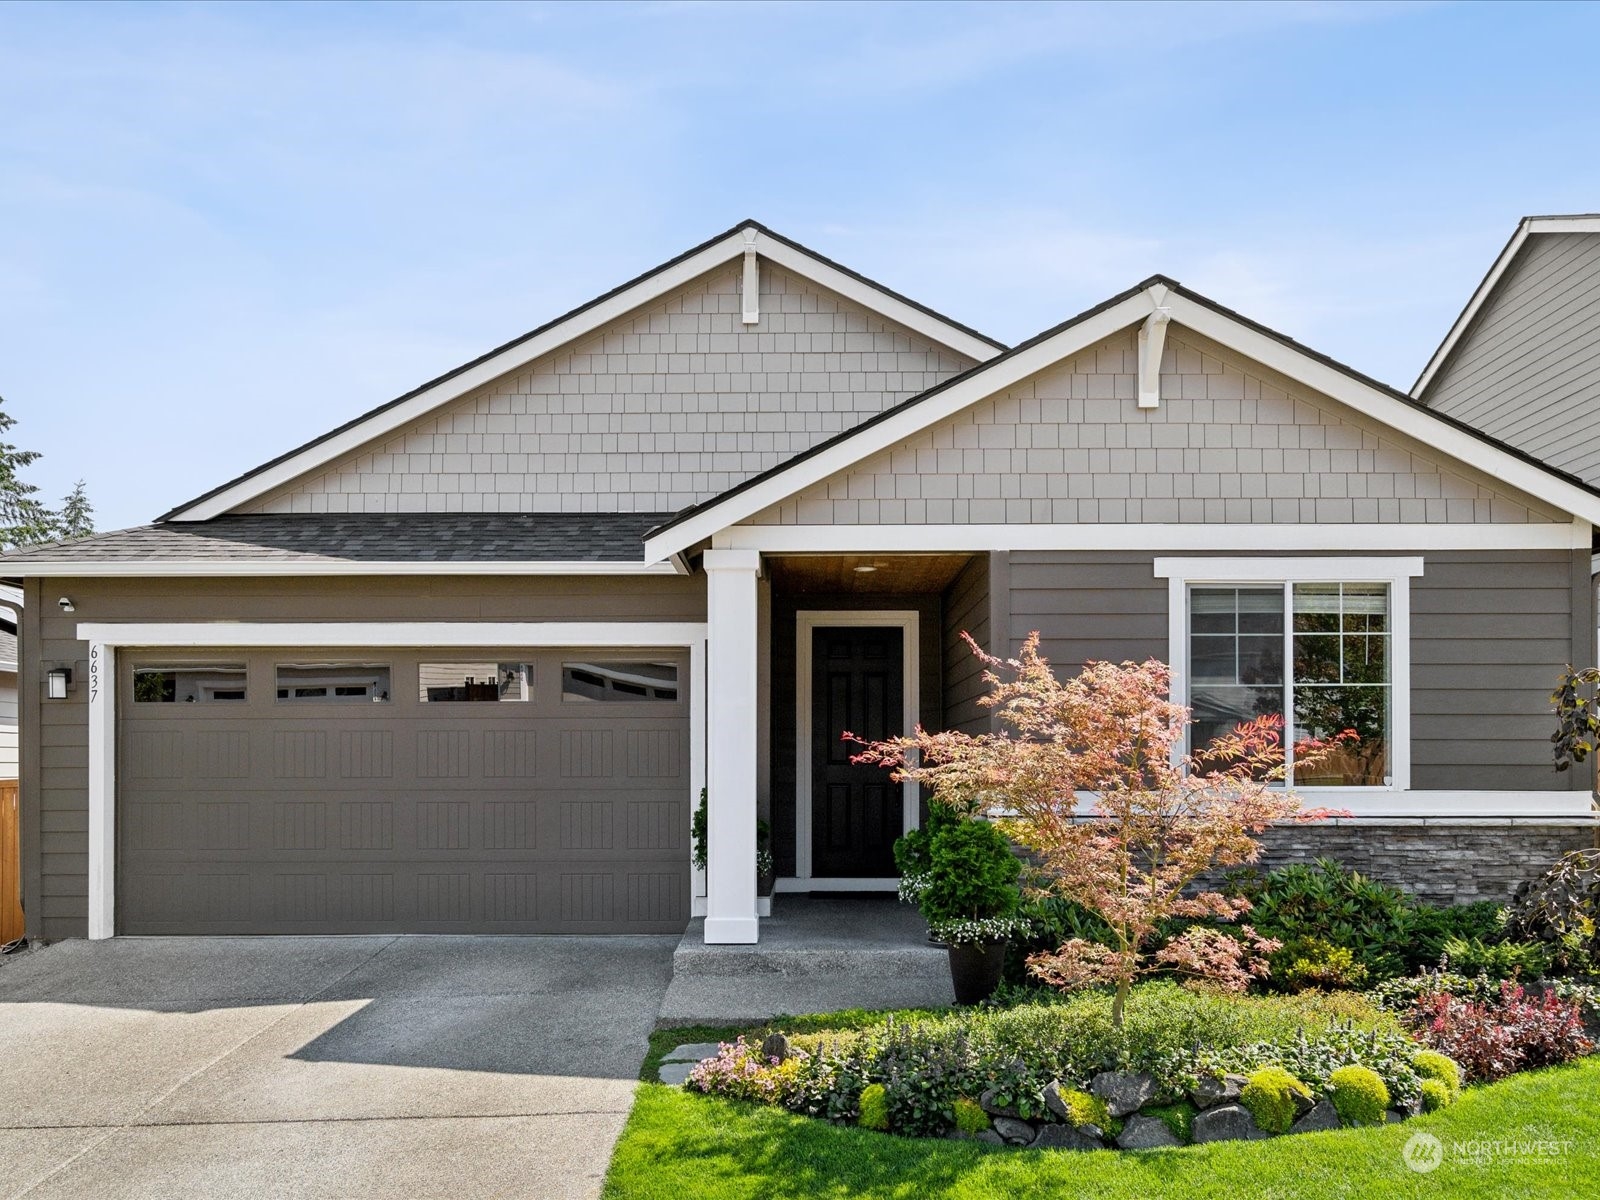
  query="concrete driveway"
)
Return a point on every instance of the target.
[{"x": 326, "y": 1067}]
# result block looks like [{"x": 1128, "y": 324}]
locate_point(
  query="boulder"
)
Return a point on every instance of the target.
[
  {"x": 1065, "y": 1137},
  {"x": 775, "y": 1045},
  {"x": 1322, "y": 1116},
  {"x": 1146, "y": 1133},
  {"x": 1303, "y": 1103},
  {"x": 1394, "y": 1116},
  {"x": 1227, "y": 1123},
  {"x": 693, "y": 1052},
  {"x": 989, "y": 1136},
  {"x": 1014, "y": 1131},
  {"x": 675, "y": 1074},
  {"x": 1124, "y": 1091},
  {"x": 987, "y": 1102},
  {"x": 1211, "y": 1091},
  {"x": 1053, "y": 1101}
]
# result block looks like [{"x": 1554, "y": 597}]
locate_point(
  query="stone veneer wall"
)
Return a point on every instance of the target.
[{"x": 1441, "y": 862}]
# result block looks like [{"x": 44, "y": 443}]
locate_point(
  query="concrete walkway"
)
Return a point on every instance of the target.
[
  {"x": 322, "y": 1067},
  {"x": 816, "y": 954}
]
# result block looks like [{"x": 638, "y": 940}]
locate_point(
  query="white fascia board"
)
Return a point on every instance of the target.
[
  {"x": 1300, "y": 570},
  {"x": 240, "y": 568},
  {"x": 1531, "y": 225},
  {"x": 867, "y": 296},
  {"x": 216, "y": 634},
  {"x": 1373, "y": 402},
  {"x": 897, "y": 427},
  {"x": 929, "y": 539}
]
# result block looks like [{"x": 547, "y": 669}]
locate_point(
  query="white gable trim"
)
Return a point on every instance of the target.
[
  {"x": 251, "y": 568},
  {"x": 979, "y": 384},
  {"x": 1502, "y": 264},
  {"x": 663, "y": 282}
]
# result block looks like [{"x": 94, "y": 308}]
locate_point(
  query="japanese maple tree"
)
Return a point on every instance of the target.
[{"x": 1089, "y": 774}]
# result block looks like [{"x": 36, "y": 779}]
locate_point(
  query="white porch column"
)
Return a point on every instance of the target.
[{"x": 732, "y": 721}]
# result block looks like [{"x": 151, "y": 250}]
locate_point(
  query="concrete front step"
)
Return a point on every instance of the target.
[{"x": 746, "y": 961}]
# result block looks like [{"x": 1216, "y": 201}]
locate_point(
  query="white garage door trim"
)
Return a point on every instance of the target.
[{"x": 106, "y": 638}]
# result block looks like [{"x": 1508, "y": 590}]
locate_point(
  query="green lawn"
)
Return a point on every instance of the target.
[{"x": 677, "y": 1146}]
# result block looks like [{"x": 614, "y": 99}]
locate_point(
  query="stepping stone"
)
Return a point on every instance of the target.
[
  {"x": 692, "y": 1053},
  {"x": 675, "y": 1074}
]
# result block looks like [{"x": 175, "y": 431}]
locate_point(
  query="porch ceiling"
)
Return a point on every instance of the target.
[{"x": 903, "y": 574}]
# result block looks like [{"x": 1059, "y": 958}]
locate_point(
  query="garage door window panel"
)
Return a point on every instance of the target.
[
  {"x": 616, "y": 681},
  {"x": 478, "y": 682},
  {"x": 333, "y": 683},
  {"x": 190, "y": 683}
]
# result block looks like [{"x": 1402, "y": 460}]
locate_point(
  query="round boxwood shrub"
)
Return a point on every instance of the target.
[
  {"x": 1269, "y": 1095},
  {"x": 1435, "y": 1095},
  {"x": 874, "y": 1108},
  {"x": 1430, "y": 1064},
  {"x": 970, "y": 1117},
  {"x": 1359, "y": 1095}
]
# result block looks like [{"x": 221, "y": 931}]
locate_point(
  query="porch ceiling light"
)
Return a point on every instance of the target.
[{"x": 864, "y": 569}]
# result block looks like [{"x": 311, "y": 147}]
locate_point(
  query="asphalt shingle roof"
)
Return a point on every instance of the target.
[{"x": 387, "y": 537}]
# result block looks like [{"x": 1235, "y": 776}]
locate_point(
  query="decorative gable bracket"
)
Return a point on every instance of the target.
[{"x": 1152, "y": 341}]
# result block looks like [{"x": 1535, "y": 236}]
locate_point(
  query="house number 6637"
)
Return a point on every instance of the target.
[{"x": 94, "y": 673}]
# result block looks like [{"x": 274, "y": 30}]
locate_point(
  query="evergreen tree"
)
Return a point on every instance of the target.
[
  {"x": 76, "y": 519},
  {"x": 23, "y": 519}
]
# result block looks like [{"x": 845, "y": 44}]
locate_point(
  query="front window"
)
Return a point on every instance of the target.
[{"x": 1334, "y": 639}]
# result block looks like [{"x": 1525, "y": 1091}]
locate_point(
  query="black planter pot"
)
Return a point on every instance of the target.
[{"x": 975, "y": 969}]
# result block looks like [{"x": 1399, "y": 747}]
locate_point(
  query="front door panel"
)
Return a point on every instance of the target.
[{"x": 857, "y": 684}]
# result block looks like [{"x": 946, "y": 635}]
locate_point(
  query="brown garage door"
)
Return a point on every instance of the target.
[{"x": 493, "y": 791}]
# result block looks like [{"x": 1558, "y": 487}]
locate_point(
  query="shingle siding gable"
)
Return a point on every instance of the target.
[
  {"x": 666, "y": 408},
  {"x": 1527, "y": 370},
  {"x": 1230, "y": 443}
]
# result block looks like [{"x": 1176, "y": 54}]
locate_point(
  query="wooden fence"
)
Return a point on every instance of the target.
[{"x": 10, "y": 863}]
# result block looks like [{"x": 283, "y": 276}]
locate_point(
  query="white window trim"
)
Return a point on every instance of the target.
[
  {"x": 1396, "y": 572},
  {"x": 105, "y": 639},
  {"x": 807, "y": 622}
]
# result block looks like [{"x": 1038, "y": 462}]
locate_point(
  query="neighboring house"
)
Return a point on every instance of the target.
[
  {"x": 464, "y": 663},
  {"x": 10, "y": 607}
]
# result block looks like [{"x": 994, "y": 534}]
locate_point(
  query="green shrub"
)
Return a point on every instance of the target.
[
  {"x": 1432, "y": 927},
  {"x": 1359, "y": 1095},
  {"x": 1269, "y": 1095},
  {"x": 1504, "y": 960},
  {"x": 970, "y": 1117},
  {"x": 972, "y": 874},
  {"x": 1435, "y": 1095},
  {"x": 1440, "y": 1068},
  {"x": 1313, "y": 962},
  {"x": 1084, "y": 1109},
  {"x": 874, "y": 1108},
  {"x": 1341, "y": 907}
]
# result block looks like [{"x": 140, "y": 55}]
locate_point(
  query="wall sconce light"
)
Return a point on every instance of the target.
[{"x": 57, "y": 680}]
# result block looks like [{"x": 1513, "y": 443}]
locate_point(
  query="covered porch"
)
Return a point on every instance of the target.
[{"x": 801, "y": 648}]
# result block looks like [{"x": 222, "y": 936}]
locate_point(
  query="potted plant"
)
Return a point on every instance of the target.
[
  {"x": 962, "y": 875},
  {"x": 766, "y": 875}
]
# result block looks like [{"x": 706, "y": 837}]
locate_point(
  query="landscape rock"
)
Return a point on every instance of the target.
[
  {"x": 987, "y": 1102},
  {"x": 693, "y": 1052},
  {"x": 989, "y": 1136},
  {"x": 1053, "y": 1100},
  {"x": 1322, "y": 1116},
  {"x": 775, "y": 1045},
  {"x": 1394, "y": 1116},
  {"x": 1124, "y": 1091},
  {"x": 1015, "y": 1132},
  {"x": 1227, "y": 1123},
  {"x": 676, "y": 1074},
  {"x": 1146, "y": 1133},
  {"x": 1093, "y": 1131},
  {"x": 1303, "y": 1103},
  {"x": 1211, "y": 1091},
  {"x": 1065, "y": 1137}
]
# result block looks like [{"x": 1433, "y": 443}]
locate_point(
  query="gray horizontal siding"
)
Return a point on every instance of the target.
[
  {"x": 1484, "y": 658},
  {"x": 966, "y": 609},
  {"x": 1528, "y": 369}
]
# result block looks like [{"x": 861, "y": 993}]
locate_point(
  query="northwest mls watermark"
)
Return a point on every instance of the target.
[{"x": 1423, "y": 1152}]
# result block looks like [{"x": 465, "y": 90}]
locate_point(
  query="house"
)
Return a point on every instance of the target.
[{"x": 465, "y": 662}]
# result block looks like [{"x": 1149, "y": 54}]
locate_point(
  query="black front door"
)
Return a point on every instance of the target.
[{"x": 856, "y": 684}]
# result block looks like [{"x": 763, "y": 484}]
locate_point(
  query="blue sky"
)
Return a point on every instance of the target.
[{"x": 225, "y": 229}]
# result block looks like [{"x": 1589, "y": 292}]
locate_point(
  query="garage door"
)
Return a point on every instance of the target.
[{"x": 490, "y": 791}]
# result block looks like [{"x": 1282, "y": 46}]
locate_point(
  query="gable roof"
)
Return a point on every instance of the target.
[
  {"x": 354, "y": 544},
  {"x": 583, "y": 320},
  {"x": 1526, "y": 228},
  {"x": 1283, "y": 354}
]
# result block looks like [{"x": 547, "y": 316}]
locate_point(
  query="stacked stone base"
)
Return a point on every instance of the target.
[{"x": 1440, "y": 861}]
